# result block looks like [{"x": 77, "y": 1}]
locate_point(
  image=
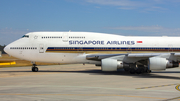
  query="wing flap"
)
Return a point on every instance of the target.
[{"x": 142, "y": 55}]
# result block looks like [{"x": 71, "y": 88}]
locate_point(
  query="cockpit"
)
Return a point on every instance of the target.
[{"x": 25, "y": 36}]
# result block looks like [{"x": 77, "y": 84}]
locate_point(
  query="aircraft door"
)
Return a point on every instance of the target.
[
  {"x": 170, "y": 48},
  {"x": 41, "y": 48},
  {"x": 128, "y": 49},
  {"x": 80, "y": 49},
  {"x": 65, "y": 37}
]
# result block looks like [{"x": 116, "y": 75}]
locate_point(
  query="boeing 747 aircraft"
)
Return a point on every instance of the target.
[{"x": 111, "y": 52}]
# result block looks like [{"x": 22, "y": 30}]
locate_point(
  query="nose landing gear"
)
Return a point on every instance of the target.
[{"x": 34, "y": 68}]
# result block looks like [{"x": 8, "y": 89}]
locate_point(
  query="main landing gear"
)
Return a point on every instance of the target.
[
  {"x": 34, "y": 68},
  {"x": 137, "y": 69}
]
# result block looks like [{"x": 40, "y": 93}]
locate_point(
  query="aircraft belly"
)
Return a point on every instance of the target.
[{"x": 60, "y": 58}]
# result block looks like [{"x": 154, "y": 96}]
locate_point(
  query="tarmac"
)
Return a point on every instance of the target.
[{"x": 87, "y": 83}]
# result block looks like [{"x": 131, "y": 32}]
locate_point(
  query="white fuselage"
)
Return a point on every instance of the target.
[{"x": 73, "y": 47}]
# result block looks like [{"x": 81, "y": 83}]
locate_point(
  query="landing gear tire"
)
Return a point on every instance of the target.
[
  {"x": 139, "y": 71},
  {"x": 34, "y": 69},
  {"x": 132, "y": 71},
  {"x": 148, "y": 71},
  {"x": 127, "y": 69}
]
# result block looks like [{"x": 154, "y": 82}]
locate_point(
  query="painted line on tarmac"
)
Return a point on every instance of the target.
[
  {"x": 177, "y": 87},
  {"x": 110, "y": 95},
  {"x": 157, "y": 86},
  {"x": 176, "y": 98},
  {"x": 87, "y": 87}
]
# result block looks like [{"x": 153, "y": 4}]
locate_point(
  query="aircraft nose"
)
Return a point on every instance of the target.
[{"x": 6, "y": 49}]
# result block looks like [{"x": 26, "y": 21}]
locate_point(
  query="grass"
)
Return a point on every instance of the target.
[{"x": 19, "y": 62}]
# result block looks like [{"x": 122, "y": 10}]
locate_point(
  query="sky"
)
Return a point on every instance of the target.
[{"x": 122, "y": 17}]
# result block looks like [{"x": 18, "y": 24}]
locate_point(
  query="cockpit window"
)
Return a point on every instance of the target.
[{"x": 25, "y": 36}]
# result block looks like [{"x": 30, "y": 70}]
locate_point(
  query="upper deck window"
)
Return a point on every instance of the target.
[{"x": 25, "y": 36}]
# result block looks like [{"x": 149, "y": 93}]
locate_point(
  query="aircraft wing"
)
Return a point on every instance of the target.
[{"x": 135, "y": 56}]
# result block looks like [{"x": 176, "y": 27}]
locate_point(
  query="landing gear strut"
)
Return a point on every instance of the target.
[{"x": 34, "y": 68}]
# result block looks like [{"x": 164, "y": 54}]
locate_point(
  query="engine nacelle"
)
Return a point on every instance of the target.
[
  {"x": 157, "y": 63},
  {"x": 110, "y": 64},
  {"x": 172, "y": 64}
]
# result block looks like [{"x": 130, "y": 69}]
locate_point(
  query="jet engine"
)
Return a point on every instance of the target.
[
  {"x": 157, "y": 63},
  {"x": 110, "y": 64}
]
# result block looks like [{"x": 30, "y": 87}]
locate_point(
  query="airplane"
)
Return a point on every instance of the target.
[{"x": 134, "y": 54}]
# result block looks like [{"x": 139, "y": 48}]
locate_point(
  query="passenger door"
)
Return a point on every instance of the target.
[
  {"x": 170, "y": 46},
  {"x": 41, "y": 48},
  {"x": 65, "y": 37},
  {"x": 128, "y": 48}
]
